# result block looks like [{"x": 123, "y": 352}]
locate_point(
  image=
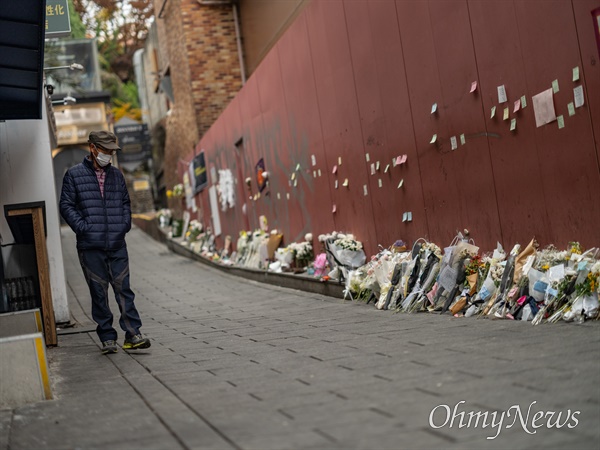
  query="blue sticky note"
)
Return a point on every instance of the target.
[
  {"x": 553, "y": 292},
  {"x": 582, "y": 265},
  {"x": 484, "y": 293},
  {"x": 540, "y": 286}
]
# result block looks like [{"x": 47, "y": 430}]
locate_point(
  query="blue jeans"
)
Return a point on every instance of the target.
[{"x": 100, "y": 268}]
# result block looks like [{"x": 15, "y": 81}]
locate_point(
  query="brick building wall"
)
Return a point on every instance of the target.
[{"x": 200, "y": 48}]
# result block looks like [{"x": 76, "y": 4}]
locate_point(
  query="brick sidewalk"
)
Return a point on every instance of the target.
[{"x": 235, "y": 364}]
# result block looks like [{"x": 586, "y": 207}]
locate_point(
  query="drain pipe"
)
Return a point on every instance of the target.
[{"x": 238, "y": 38}]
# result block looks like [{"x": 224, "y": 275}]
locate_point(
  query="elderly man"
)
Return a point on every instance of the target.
[{"x": 95, "y": 203}]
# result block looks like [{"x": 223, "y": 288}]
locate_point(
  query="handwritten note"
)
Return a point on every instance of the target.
[
  {"x": 578, "y": 95},
  {"x": 502, "y": 94},
  {"x": 473, "y": 87},
  {"x": 517, "y": 106},
  {"x": 523, "y": 102},
  {"x": 543, "y": 108},
  {"x": 453, "y": 143}
]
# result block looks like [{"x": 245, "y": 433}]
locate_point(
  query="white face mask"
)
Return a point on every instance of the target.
[{"x": 103, "y": 159}]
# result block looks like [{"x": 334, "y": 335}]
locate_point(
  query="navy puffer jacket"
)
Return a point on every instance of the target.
[{"x": 99, "y": 222}]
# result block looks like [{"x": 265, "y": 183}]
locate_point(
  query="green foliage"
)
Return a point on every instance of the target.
[{"x": 78, "y": 30}]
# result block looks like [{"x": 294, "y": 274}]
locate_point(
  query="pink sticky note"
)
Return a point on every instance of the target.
[
  {"x": 517, "y": 105},
  {"x": 473, "y": 86},
  {"x": 334, "y": 169},
  {"x": 333, "y": 209},
  {"x": 398, "y": 160},
  {"x": 403, "y": 159}
]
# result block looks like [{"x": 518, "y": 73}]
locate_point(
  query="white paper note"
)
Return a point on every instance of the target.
[
  {"x": 401, "y": 183},
  {"x": 433, "y": 139},
  {"x": 462, "y": 139},
  {"x": 314, "y": 160},
  {"x": 502, "y": 94},
  {"x": 365, "y": 191},
  {"x": 453, "y": 143},
  {"x": 578, "y": 95},
  {"x": 433, "y": 108},
  {"x": 367, "y": 157},
  {"x": 493, "y": 112},
  {"x": 372, "y": 168},
  {"x": 345, "y": 183},
  {"x": 543, "y": 107},
  {"x": 380, "y": 183},
  {"x": 319, "y": 172}
]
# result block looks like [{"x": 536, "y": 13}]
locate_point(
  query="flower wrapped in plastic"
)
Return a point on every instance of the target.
[{"x": 164, "y": 217}]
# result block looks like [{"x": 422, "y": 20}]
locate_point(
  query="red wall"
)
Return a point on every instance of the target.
[{"x": 357, "y": 77}]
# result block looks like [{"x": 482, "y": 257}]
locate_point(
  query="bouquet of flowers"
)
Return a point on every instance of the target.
[
  {"x": 164, "y": 217},
  {"x": 194, "y": 230}
]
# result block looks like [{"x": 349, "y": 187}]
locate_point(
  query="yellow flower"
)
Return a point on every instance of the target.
[
  {"x": 545, "y": 267},
  {"x": 169, "y": 193}
]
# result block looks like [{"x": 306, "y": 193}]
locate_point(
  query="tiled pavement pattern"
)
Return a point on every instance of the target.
[{"x": 235, "y": 364}]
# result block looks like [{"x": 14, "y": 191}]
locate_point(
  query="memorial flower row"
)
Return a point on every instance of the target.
[{"x": 530, "y": 284}]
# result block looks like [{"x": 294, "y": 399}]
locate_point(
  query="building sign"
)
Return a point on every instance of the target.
[
  {"x": 74, "y": 122},
  {"x": 134, "y": 140},
  {"x": 57, "y": 19},
  {"x": 200, "y": 179}
]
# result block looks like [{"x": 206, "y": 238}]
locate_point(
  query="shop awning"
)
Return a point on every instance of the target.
[{"x": 22, "y": 26}]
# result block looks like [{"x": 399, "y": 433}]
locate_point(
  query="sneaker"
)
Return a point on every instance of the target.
[
  {"x": 135, "y": 342},
  {"x": 109, "y": 347}
]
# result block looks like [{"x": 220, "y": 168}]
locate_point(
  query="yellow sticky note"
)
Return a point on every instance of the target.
[
  {"x": 293, "y": 176},
  {"x": 345, "y": 183},
  {"x": 561, "y": 122},
  {"x": 505, "y": 115},
  {"x": 555, "y": 88},
  {"x": 339, "y": 160}
]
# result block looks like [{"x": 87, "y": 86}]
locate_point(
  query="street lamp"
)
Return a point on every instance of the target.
[
  {"x": 68, "y": 100},
  {"x": 73, "y": 66}
]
